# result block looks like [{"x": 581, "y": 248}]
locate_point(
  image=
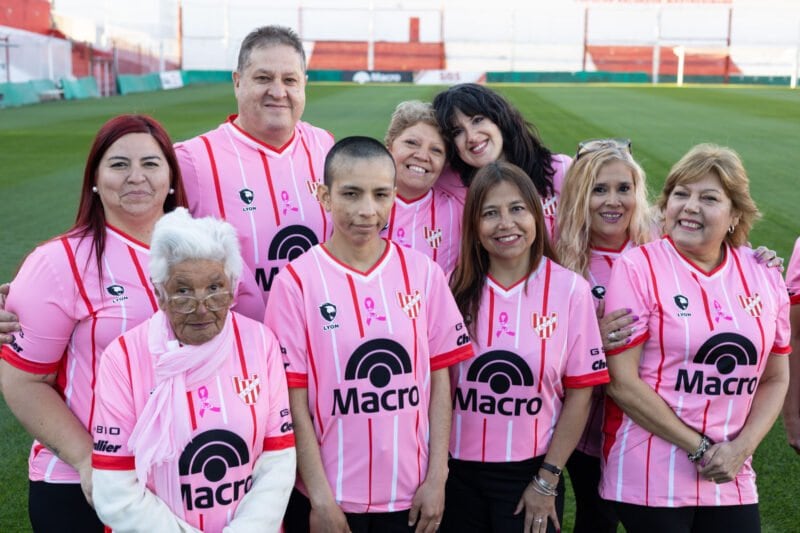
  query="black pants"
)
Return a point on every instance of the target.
[
  {"x": 592, "y": 513},
  {"x": 60, "y": 508},
  {"x": 296, "y": 518},
  {"x": 723, "y": 519},
  {"x": 481, "y": 497}
]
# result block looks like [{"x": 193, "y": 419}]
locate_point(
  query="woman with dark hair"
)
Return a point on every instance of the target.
[
  {"x": 521, "y": 403},
  {"x": 73, "y": 295},
  {"x": 480, "y": 127}
]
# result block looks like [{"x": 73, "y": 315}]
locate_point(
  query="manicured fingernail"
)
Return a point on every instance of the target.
[
  {"x": 636, "y": 318},
  {"x": 628, "y": 340},
  {"x": 629, "y": 310}
]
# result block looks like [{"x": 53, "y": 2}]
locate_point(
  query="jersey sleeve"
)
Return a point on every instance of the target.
[
  {"x": 783, "y": 330},
  {"x": 279, "y": 434},
  {"x": 447, "y": 336},
  {"x": 793, "y": 275},
  {"x": 285, "y": 317},
  {"x": 189, "y": 175},
  {"x": 450, "y": 182},
  {"x": 45, "y": 304},
  {"x": 586, "y": 365},
  {"x": 114, "y": 412},
  {"x": 628, "y": 288}
]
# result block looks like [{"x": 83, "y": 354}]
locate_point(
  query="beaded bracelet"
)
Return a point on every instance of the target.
[{"x": 705, "y": 444}]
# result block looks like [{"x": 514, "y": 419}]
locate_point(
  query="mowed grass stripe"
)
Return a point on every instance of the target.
[{"x": 43, "y": 149}]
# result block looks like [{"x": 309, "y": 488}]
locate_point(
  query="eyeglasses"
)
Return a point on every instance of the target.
[
  {"x": 593, "y": 145},
  {"x": 188, "y": 304}
]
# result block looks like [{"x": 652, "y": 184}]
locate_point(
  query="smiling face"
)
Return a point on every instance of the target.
[
  {"x": 697, "y": 218},
  {"x": 611, "y": 205},
  {"x": 270, "y": 93},
  {"x": 419, "y": 155},
  {"x": 132, "y": 181},
  {"x": 477, "y": 139},
  {"x": 507, "y": 229},
  {"x": 198, "y": 278}
]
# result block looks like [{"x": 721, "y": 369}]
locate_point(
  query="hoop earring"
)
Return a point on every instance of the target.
[{"x": 731, "y": 228}]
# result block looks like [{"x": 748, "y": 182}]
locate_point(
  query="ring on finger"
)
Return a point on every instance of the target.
[{"x": 612, "y": 336}]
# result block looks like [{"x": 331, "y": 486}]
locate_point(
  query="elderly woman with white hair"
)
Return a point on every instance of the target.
[{"x": 191, "y": 425}]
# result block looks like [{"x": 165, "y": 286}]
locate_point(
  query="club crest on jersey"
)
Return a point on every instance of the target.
[
  {"x": 544, "y": 325},
  {"x": 550, "y": 205},
  {"x": 599, "y": 292},
  {"x": 247, "y": 197},
  {"x": 432, "y": 236},
  {"x": 118, "y": 291},
  {"x": 312, "y": 187},
  {"x": 410, "y": 303},
  {"x": 751, "y": 304},
  {"x": 247, "y": 389}
]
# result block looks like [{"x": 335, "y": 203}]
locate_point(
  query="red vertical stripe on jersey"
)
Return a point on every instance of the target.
[
  {"x": 647, "y": 471},
  {"x": 654, "y": 281},
  {"x": 545, "y": 301},
  {"x": 705, "y": 302},
  {"x": 127, "y": 356},
  {"x": 215, "y": 174},
  {"x": 143, "y": 279},
  {"x": 703, "y": 431},
  {"x": 608, "y": 260},
  {"x": 246, "y": 375},
  {"x": 391, "y": 221},
  {"x": 536, "y": 437},
  {"x": 491, "y": 318},
  {"x": 433, "y": 219},
  {"x": 419, "y": 451},
  {"x": 369, "y": 493},
  {"x": 268, "y": 176},
  {"x": 354, "y": 297},
  {"x": 191, "y": 409},
  {"x": 764, "y": 348},
  {"x": 82, "y": 290},
  {"x": 407, "y": 285},
  {"x": 313, "y": 174}
]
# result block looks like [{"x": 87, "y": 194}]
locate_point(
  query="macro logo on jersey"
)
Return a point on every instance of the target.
[
  {"x": 432, "y": 236},
  {"x": 375, "y": 362},
  {"x": 216, "y": 454},
  {"x": 599, "y": 292},
  {"x": 724, "y": 351},
  {"x": 505, "y": 372},
  {"x": 247, "y": 196},
  {"x": 544, "y": 325},
  {"x": 410, "y": 303},
  {"x": 751, "y": 304},
  {"x": 288, "y": 243},
  {"x": 247, "y": 389}
]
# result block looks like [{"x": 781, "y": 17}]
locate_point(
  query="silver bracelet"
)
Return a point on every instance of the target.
[
  {"x": 543, "y": 487},
  {"x": 705, "y": 444}
]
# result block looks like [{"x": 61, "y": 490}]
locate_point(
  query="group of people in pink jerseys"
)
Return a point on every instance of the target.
[{"x": 414, "y": 335}]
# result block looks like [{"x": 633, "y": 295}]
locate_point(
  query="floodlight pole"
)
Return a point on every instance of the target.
[
  {"x": 793, "y": 78},
  {"x": 371, "y": 42},
  {"x": 657, "y": 47}
]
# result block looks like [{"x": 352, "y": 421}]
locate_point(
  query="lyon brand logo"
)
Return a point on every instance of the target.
[
  {"x": 328, "y": 311},
  {"x": 247, "y": 196},
  {"x": 115, "y": 290},
  {"x": 681, "y": 301},
  {"x": 599, "y": 292},
  {"x": 377, "y": 360},
  {"x": 213, "y": 453}
]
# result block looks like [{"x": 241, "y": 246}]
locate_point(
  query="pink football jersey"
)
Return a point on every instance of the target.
[
  {"x": 69, "y": 314},
  {"x": 450, "y": 182},
  {"x": 268, "y": 194},
  {"x": 364, "y": 344},
  {"x": 235, "y": 415},
  {"x": 793, "y": 275},
  {"x": 532, "y": 341},
  {"x": 430, "y": 224},
  {"x": 707, "y": 337}
]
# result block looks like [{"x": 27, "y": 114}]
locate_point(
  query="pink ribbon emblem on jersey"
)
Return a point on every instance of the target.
[
  {"x": 433, "y": 236},
  {"x": 287, "y": 203},
  {"x": 503, "y": 328},
  {"x": 751, "y": 304},
  {"x": 544, "y": 325},
  {"x": 247, "y": 389},
  {"x": 401, "y": 238},
  {"x": 720, "y": 313},
  {"x": 369, "y": 305},
  {"x": 205, "y": 403},
  {"x": 410, "y": 303}
]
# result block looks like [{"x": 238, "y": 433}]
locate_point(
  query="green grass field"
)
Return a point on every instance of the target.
[{"x": 43, "y": 149}]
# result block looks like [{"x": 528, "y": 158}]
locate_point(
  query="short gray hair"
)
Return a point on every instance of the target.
[
  {"x": 178, "y": 237},
  {"x": 269, "y": 36}
]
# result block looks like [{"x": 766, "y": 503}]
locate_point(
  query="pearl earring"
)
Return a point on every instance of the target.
[
  {"x": 94, "y": 189},
  {"x": 171, "y": 191}
]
